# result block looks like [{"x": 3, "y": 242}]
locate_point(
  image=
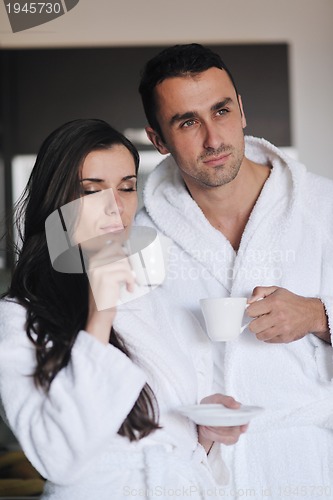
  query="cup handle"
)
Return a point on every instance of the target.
[{"x": 247, "y": 324}]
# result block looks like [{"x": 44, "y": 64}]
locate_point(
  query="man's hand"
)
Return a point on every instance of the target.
[
  {"x": 224, "y": 435},
  {"x": 283, "y": 316}
]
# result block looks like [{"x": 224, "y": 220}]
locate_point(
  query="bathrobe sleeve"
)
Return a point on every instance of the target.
[
  {"x": 324, "y": 215},
  {"x": 87, "y": 402},
  {"x": 327, "y": 278}
]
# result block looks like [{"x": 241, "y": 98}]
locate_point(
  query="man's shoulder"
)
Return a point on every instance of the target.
[
  {"x": 318, "y": 200},
  {"x": 142, "y": 218},
  {"x": 320, "y": 187}
]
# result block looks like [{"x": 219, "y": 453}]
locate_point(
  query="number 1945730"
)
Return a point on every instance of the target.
[{"x": 34, "y": 8}]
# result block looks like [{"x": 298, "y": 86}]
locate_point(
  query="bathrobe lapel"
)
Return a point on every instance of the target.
[{"x": 264, "y": 244}]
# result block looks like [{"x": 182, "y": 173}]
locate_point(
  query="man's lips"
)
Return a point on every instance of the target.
[{"x": 217, "y": 160}]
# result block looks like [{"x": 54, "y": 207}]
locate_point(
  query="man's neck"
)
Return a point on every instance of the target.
[{"x": 228, "y": 207}]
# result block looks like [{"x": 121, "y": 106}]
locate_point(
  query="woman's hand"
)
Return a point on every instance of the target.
[
  {"x": 224, "y": 435},
  {"x": 108, "y": 271}
]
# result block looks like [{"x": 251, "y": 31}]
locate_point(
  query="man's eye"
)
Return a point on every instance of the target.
[
  {"x": 188, "y": 123},
  {"x": 222, "y": 111}
]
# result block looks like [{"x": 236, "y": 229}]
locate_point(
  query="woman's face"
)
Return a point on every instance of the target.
[{"x": 109, "y": 200}]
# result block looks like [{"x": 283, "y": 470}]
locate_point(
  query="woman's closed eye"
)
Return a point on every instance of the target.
[
  {"x": 90, "y": 191},
  {"x": 91, "y": 186},
  {"x": 127, "y": 189}
]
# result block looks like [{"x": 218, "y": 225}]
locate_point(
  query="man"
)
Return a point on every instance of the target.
[{"x": 246, "y": 220}]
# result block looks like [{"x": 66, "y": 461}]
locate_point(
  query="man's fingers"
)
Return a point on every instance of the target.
[{"x": 260, "y": 292}]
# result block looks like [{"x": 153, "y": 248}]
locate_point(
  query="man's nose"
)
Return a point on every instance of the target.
[{"x": 212, "y": 139}]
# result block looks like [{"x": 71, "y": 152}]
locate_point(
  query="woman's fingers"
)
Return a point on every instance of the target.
[{"x": 106, "y": 282}]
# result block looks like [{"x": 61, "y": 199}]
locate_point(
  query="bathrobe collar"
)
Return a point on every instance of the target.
[{"x": 177, "y": 215}]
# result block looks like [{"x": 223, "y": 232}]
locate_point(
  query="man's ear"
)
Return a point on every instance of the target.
[
  {"x": 242, "y": 111},
  {"x": 155, "y": 138}
]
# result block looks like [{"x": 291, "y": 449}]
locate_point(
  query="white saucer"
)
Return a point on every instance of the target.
[{"x": 218, "y": 415}]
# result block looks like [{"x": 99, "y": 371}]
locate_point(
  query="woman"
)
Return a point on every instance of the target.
[{"x": 76, "y": 398}]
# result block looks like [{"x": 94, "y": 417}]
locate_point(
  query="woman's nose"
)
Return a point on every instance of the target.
[{"x": 115, "y": 205}]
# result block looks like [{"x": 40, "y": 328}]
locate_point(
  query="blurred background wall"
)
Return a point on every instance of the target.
[
  {"x": 306, "y": 25},
  {"x": 303, "y": 26}
]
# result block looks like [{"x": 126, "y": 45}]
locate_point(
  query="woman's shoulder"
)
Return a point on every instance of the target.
[
  {"x": 12, "y": 314},
  {"x": 8, "y": 304}
]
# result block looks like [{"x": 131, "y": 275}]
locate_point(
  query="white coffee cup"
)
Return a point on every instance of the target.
[
  {"x": 145, "y": 255},
  {"x": 223, "y": 317},
  {"x": 143, "y": 251}
]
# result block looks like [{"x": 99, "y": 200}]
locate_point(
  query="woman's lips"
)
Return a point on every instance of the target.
[
  {"x": 112, "y": 229},
  {"x": 215, "y": 161}
]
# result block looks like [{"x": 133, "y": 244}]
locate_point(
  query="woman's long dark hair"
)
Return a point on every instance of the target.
[{"x": 57, "y": 303}]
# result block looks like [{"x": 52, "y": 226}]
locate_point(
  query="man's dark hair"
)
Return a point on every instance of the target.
[{"x": 179, "y": 60}]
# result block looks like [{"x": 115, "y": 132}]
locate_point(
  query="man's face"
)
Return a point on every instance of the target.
[{"x": 202, "y": 124}]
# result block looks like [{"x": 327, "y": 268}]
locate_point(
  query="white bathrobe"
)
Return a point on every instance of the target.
[
  {"x": 288, "y": 241},
  {"x": 71, "y": 435}
]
